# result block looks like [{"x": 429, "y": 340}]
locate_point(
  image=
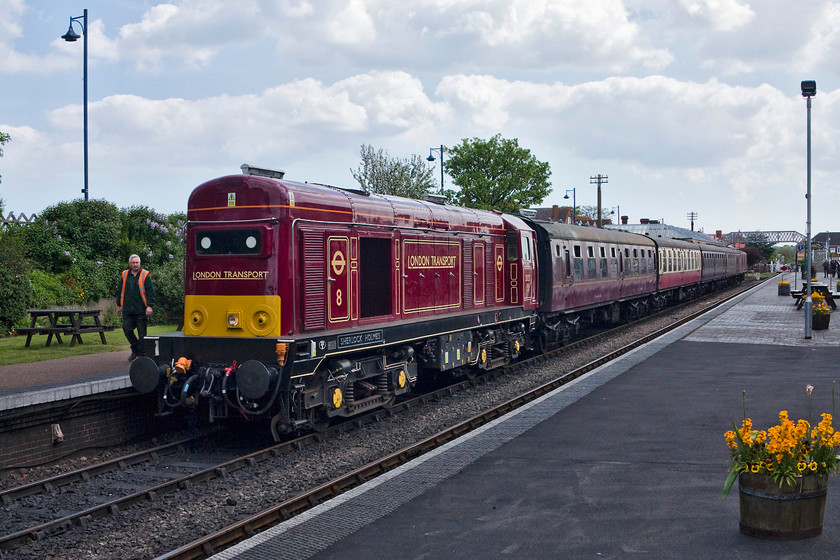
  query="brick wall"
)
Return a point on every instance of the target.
[{"x": 26, "y": 436}]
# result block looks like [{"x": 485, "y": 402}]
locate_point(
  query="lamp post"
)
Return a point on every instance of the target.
[
  {"x": 809, "y": 90},
  {"x": 598, "y": 180},
  {"x": 71, "y": 36},
  {"x": 574, "y": 205},
  {"x": 617, "y": 213},
  {"x": 432, "y": 158}
]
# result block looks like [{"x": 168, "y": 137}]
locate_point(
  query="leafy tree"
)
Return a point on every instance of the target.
[
  {"x": 754, "y": 255},
  {"x": 496, "y": 174},
  {"x": 785, "y": 253},
  {"x": 762, "y": 243},
  {"x": 383, "y": 174},
  {"x": 4, "y": 137}
]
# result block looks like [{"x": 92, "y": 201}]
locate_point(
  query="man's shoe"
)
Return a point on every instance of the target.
[{"x": 132, "y": 357}]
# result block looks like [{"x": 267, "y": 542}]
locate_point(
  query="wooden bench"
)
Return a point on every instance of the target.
[
  {"x": 75, "y": 328},
  {"x": 799, "y": 296}
]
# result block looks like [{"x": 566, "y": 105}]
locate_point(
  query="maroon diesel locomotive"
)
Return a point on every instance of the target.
[{"x": 306, "y": 302}]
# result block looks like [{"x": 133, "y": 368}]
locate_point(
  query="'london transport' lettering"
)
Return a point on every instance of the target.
[
  {"x": 431, "y": 261},
  {"x": 230, "y": 274}
]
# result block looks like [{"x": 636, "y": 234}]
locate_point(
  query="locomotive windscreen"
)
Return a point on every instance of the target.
[{"x": 228, "y": 242}]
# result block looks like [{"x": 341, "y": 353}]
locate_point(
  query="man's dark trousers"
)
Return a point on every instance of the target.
[{"x": 131, "y": 322}]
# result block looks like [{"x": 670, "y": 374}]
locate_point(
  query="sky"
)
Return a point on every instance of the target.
[{"x": 687, "y": 106}]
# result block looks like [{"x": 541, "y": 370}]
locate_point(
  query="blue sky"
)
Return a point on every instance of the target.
[{"x": 687, "y": 105}]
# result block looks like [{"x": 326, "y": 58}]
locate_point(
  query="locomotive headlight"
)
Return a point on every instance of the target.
[{"x": 233, "y": 319}]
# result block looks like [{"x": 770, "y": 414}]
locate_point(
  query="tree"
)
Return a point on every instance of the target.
[
  {"x": 4, "y": 137},
  {"x": 496, "y": 174},
  {"x": 762, "y": 243},
  {"x": 383, "y": 174}
]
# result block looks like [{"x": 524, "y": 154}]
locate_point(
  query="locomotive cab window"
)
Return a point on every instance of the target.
[
  {"x": 512, "y": 246},
  {"x": 229, "y": 241}
]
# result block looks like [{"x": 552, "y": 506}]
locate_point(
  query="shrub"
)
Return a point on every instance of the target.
[
  {"x": 169, "y": 293},
  {"x": 47, "y": 290},
  {"x": 15, "y": 295}
]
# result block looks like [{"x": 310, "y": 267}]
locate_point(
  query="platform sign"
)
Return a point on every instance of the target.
[{"x": 799, "y": 248}]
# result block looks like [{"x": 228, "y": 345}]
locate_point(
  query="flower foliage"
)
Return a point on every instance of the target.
[
  {"x": 783, "y": 451},
  {"x": 820, "y": 308},
  {"x": 784, "y": 283}
]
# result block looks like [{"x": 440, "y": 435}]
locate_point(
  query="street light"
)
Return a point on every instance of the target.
[
  {"x": 617, "y": 213},
  {"x": 432, "y": 158},
  {"x": 71, "y": 37},
  {"x": 809, "y": 90},
  {"x": 574, "y": 205}
]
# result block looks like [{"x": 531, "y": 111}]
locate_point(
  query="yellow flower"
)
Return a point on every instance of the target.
[
  {"x": 801, "y": 465},
  {"x": 755, "y": 467},
  {"x": 812, "y": 465}
]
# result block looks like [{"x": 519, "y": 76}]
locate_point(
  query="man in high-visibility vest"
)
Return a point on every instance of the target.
[{"x": 135, "y": 299}]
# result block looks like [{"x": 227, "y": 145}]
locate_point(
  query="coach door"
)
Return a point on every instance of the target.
[
  {"x": 338, "y": 279},
  {"x": 478, "y": 277}
]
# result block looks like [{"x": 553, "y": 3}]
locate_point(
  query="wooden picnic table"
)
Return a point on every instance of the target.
[
  {"x": 75, "y": 328},
  {"x": 815, "y": 288}
]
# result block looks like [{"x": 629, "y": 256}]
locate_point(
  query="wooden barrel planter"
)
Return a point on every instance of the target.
[
  {"x": 786, "y": 513},
  {"x": 784, "y": 290}
]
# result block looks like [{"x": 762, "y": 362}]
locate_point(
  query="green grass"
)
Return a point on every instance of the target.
[{"x": 13, "y": 351}]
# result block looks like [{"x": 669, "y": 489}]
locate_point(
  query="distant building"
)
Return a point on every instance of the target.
[
  {"x": 653, "y": 228},
  {"x": 562, "y": 214},
  {"x": 830, "y": 239}
]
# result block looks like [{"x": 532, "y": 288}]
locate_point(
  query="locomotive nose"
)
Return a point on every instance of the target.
[{"x": 144, "y": 374}]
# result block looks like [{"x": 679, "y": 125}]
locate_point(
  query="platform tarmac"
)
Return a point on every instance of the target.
[
  {"x": 626, "y": 462},
  {"x": 63, "y": 378}
]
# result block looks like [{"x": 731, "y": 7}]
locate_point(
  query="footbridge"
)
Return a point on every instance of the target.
[{"x": 772, "y": 236}]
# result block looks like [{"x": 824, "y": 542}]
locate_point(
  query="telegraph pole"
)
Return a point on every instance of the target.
[
  {"x": 692, "y": 216},
  {"x": 598, "y": 180}
]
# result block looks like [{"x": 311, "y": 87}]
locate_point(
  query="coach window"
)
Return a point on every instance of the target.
[
  {"x": 526, "y": 248},
  {"x": 578, "y": 263},
  {"x": 605, "y": 266}
]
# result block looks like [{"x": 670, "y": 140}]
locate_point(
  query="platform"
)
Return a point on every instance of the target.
[
  {"x": 63, "y": 378},
  {"x": 627, "y": 461}
]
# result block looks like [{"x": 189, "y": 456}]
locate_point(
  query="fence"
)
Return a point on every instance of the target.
[{"x": 12, "y": 220}]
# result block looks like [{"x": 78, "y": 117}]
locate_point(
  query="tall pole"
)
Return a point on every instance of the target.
[
  {"x": 809, "y": 89},
  {"x": 432, "y": 158},
  {"x": 598, "y": 180},
  {"x": 574, "y": 205},
  {"x": 71, "y": 37},
  {"x": 692, "y": 216},
  {"x": 85, "y": 97}
]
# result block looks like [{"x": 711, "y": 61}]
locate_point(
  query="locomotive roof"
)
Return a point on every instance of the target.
[{"x": 248, "y": 197}]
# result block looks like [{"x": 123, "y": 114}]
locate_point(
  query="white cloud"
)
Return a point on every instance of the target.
[{"x": 722, "y": 15}]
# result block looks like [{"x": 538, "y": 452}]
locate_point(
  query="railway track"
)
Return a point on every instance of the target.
[
  {"x": 156, "y": 461},
  {"x": 241, "y": 530}
]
